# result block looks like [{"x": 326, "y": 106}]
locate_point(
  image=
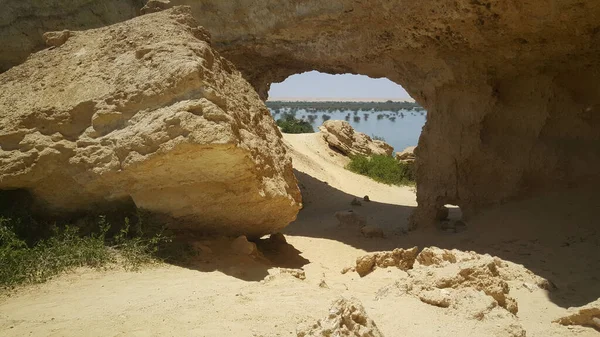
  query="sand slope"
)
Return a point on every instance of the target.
[{"x": 556, "y": 237}]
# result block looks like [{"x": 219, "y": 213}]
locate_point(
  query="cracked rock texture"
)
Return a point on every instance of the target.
[
  {"x": 147, "y": 111},
  {"x": 511, "y": 87},
  {"x": 346, "y": 318},
  {"x": 341, "y": 136}
]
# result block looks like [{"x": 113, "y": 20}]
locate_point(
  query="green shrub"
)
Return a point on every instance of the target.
[
  {"x": 65, "y": 249},
  {"x": 289, "y": 124},
  {"x": 384, "y": 169}
]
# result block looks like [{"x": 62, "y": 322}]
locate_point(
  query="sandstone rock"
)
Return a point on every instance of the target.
[
  {"x": 371, "y": 231},
  {"x": 342, "y": 137},
  {"x": 508, "y": 69},
  {"x": 355, "y": 202},
  {"x": 434, "y": 256},
  {"x": 407, "y": 155},
  {"x": 402, "y": 259},
  {"x": 587, "y": 315},
  {"x": 277, "y": 239},
  {"x": 242, "y": 246},
  {"x": 351, "y": 218},
  {"x": 146, "y": 111},
  {"x": 55, "y": 39},
  {"x": 277, "y": 272},
  {"x": 345, "y": 270},
  {"x": 481, "y": 274},
  {"x": 439, "y": 297},
  {"x": 346, "y": 318}
]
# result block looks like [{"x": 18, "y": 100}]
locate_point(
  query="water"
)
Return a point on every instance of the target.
[{"x": 399, "y": 129}]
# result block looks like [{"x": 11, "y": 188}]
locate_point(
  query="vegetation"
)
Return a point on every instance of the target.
[
  {"x": 375, "y": 137},
  {"x": 384, "y": 169},
  {"x": 25, "y": 258},
  {"x": 290, "y": 124},
  {"x": 342, "y": 106}
]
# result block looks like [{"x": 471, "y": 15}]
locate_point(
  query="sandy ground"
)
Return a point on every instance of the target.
[{"x": 219, "y": 294}]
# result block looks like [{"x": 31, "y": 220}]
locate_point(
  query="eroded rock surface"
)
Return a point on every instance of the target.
[
  {"x": 145, "y": 110},
  {"x": 400, "y": 258},
  {"x": 587, "y": 315},
  {"x": 341, "y": 136},
  {"x": 511, "y": 88},
  {"x": 346, "y": 318}
]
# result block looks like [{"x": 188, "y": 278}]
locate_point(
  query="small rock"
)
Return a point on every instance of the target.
[
  {"x": 366, "y": 198},
  {"x": 371, "y": 231},
  {"x": 439, "y": 297},
  {"x": 596, "y": 321},
  {"x": 242, "y": 246},
  {"x": 365, "y": 265},
  {"x": 56, "y": 39},
  {"x": 355, "y": 202},
  {"x": 277, "y": 238},
  {"x": 345, "y": 318},
  {"x": 297, "y": 273},
  {"x": 351, "y": 219},
  {"x": 323, "y": 284},
  {"x": 347, "y": 269}
]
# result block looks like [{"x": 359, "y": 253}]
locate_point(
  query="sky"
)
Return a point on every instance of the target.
[{"x": 316, "y": 85}]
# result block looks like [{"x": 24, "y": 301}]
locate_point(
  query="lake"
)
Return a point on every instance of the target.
[{"x": 399, "y": 129}]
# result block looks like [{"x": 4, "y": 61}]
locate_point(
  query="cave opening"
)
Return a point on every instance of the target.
[{"x": 380, "y": 108}]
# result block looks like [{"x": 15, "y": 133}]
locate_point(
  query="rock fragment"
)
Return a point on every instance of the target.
[
  {"x": 587, "y": 315},
  {"x": 402, "y": 259},
  {"x": 242, "y": 246},
  {"x": 346, "y": 318}
]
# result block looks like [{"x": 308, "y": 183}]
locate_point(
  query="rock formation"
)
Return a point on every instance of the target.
[
  {"x": 346, "y": 318},
  {"x": 145, "y": 110},
  {"x": 402, "y": 259},
  {"x": 407, "y": 155},
  {"x": 588, "y": 315},
  {"x": 511, "y": 88},
  {"x": 341, "y": 136}
]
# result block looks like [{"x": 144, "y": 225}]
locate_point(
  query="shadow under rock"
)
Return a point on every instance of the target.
[
  {"x": 556, "y": 236},
  {"x": 317, "y": 218},
  {"x": 207, "y": 254}
]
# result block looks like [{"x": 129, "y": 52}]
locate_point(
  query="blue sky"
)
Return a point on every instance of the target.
[{"x": 317, "y": 85}]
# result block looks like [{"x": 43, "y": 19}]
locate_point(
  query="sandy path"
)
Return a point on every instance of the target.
[{"x": 222, "y": 295}]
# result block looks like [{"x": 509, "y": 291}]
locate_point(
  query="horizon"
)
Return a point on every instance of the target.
[{"x": 316, "y": 86}]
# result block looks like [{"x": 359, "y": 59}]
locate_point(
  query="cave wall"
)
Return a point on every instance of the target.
[{"x": 511, "y": 87}]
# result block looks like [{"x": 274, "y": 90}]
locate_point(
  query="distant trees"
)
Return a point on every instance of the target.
[
  {"x": 332, "y": 106},
  {"x": 289, "y": 124}
]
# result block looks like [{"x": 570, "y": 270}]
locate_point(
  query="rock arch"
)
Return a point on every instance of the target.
[{"x": 512, "y": 87}]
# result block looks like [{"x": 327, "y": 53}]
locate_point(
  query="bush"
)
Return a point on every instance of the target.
[
  {"x": 65, "y": 249},
  {"x": 289, "y": 124},
  {"x": 383, "y": 169}
]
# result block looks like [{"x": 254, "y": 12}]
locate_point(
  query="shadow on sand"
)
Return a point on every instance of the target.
[
  {"x": 244, "y": 267},
  {"x": 557, "y": 237}
]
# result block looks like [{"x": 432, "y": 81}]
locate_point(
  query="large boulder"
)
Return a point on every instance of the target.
[
  {"x": 341, "y": 136},
  {"x": 145, "y": 110}
]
